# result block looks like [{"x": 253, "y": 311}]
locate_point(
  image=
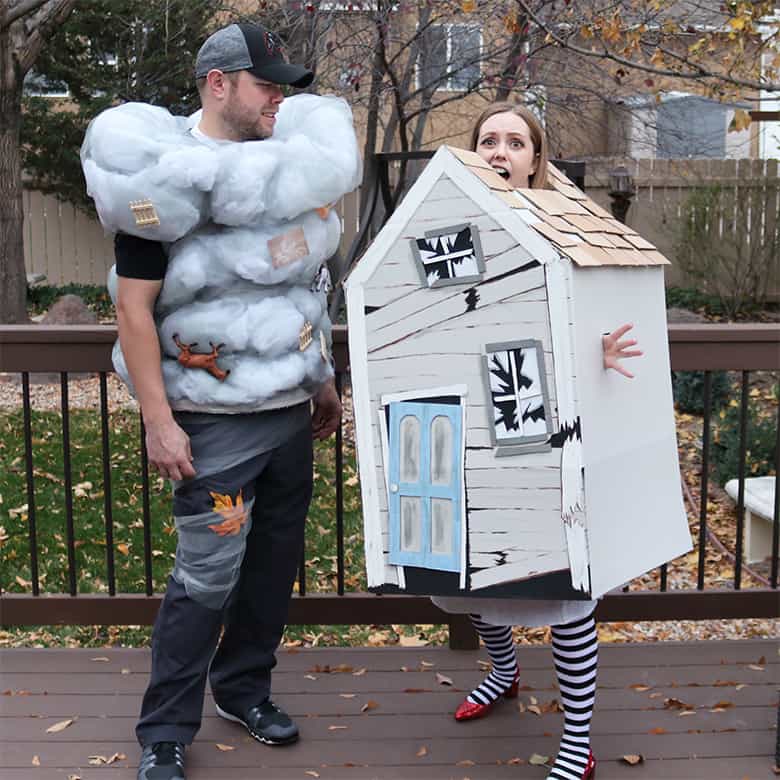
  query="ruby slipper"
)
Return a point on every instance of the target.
[{"x": 471, "y": 711}]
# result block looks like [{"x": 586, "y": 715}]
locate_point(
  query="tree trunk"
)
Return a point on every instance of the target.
[{"x": 13, "y": 278}]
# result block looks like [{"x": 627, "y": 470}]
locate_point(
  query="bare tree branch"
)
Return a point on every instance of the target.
[{"x": 695, "y": 72}]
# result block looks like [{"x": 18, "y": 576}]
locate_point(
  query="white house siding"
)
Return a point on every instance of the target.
[
  {"x": 426, "y": 339},
  {"x": 635, "y": 515}
]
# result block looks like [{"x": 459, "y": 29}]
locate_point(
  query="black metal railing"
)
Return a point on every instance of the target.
[{"x": 67, "y": 349}]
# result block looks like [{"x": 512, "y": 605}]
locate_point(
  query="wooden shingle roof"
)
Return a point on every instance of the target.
[{"x": 579, "y": 228}]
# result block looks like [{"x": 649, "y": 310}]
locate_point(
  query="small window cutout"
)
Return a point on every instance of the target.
[
  {"x": 517, "y": 390},
  {"x": 451, "y": 255}
]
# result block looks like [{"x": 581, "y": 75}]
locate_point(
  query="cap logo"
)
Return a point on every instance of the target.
[{"x": 272, "y": 45}]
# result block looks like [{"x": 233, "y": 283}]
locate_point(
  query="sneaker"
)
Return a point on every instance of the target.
[
  {"x": 266, "y": 723},
  {"x": 162, "y": 761}
]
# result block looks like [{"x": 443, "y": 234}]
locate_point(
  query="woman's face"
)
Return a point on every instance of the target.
[{"x": 505, "y": 143}]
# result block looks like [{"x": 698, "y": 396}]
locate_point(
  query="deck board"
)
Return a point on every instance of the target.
[{"x": 41, "y": 687}]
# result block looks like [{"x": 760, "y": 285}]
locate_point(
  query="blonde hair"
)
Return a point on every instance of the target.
[{"x": 538, "y": 179}]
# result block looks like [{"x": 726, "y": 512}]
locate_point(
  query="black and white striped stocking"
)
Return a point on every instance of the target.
[
  {"x": 575, "y": 652},
  {"x": 501, "y": 649}
]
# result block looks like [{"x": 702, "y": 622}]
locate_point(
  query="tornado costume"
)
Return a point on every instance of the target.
[{"x": 245, "y": 339}]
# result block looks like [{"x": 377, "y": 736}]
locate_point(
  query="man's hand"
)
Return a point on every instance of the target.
[
  {"x": 168, "y": 448},
  {"x": 327, "y": 411},
  {"x": 615, "y": 349}
]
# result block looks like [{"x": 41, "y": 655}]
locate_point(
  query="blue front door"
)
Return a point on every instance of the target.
[{"x": 425, "y": 485}]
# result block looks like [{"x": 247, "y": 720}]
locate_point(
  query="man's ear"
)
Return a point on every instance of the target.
[{"x": 217, "y": 83}]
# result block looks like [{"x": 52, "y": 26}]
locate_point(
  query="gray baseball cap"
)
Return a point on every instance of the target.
[{"x": 249, "y": 47}]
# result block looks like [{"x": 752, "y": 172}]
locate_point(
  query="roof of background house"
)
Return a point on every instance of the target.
[{"x": 578, "y": 227}]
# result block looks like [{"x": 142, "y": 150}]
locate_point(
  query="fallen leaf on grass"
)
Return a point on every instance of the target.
[
  {"x": 423, "y": 751},
  {"x": 337, "y": 728},
  {"x": 61, "y": 726},
  {"x": 411, "y": 641},
  {"x": 537, "y": 760},
  {"x": 369, "y": 705},
  {"x": 442, "y": 679},
  {"x": 123, "y": 548},
  {"x": 225, "y": 748},
  {"x": 633, "y": 759},
  {"x": 36, "y": 761}
]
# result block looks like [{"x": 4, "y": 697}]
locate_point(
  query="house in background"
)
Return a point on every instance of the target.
[{"x": 496, "y": 454}]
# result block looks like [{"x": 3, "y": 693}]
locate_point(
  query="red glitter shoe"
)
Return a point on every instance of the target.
[
  {"x": 590, "y": 768},
  {"x": 471, "y": 711}
]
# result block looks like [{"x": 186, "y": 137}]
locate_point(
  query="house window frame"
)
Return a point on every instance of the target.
[
  {"x": 445, "y": 84},
  {"x": 437, "y": 232},
  {"x": 515, "y": 445}
]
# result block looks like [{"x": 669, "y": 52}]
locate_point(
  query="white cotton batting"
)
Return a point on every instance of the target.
[{"x": 248, "y": 240}]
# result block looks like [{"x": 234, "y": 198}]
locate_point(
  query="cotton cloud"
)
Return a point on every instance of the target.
[{"x": 246, "y": 242}]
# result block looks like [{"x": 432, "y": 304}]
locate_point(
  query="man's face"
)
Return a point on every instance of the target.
[{"x": 250, "y": 108}]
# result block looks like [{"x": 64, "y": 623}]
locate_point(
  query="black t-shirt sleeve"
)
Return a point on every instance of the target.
[{"x": 139, "y": 258}]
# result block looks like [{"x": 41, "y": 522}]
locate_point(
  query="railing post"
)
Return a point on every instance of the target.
[{"x": 463, "y": 635}]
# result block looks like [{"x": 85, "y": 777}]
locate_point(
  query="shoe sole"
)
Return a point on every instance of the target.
[{"x": 255, "y": 735}]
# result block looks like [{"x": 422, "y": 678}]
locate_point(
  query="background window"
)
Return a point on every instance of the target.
[{"x": 450, "y": 57}]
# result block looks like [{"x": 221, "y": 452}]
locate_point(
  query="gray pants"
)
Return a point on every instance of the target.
[{"x": 240, "y": 541}]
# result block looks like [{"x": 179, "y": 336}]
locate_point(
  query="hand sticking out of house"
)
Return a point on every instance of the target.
[{"x": 615, "y": 349}]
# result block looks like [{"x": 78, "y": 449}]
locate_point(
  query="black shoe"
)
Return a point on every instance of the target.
[
  {"x": 162, "y": 761},
  {"x": 266, "y": 723}
]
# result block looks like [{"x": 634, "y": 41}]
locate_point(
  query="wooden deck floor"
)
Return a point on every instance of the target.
[{"x": 383, "y": 713}]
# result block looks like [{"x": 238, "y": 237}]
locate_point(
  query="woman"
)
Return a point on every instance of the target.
[{"x": 512, "y": 141}]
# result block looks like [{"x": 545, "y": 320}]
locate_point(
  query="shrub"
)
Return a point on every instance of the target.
[
  {"x": 688, "y": 390},
  {"x": 761, "y": 443},
  {"x": 41, "y": 297}
]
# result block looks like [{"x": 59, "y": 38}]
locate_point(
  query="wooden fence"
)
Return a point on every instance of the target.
[{"x": 67, "y": 245}]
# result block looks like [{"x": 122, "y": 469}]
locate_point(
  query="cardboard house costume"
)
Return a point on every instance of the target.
[{"x": 496, "y": 455}]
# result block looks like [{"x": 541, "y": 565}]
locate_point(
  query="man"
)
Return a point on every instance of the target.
[{"x": 232, "y": 427}]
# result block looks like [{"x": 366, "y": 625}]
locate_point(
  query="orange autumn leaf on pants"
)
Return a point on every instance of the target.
[{"x": 234, "y": 514}]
